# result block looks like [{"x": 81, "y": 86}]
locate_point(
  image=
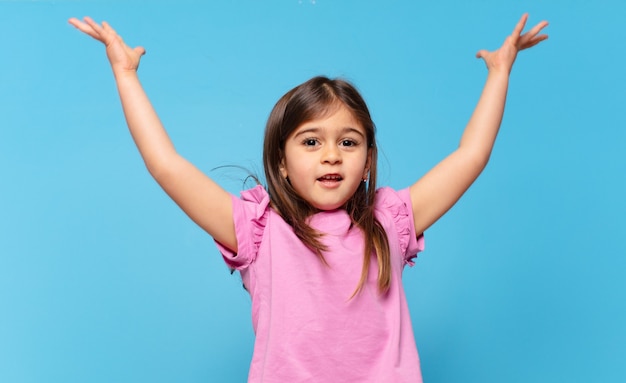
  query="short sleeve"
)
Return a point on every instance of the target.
[
  {"x": 397, "y": 204},
  {"x": 250, "y": 216}
]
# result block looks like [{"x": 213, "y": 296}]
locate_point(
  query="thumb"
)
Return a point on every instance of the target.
[
  {"x": 140, "y": 51},
  {"x": 481, "y": 54}
]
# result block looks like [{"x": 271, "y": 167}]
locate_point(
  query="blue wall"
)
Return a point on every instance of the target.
[{"x": 103, "y": 278}]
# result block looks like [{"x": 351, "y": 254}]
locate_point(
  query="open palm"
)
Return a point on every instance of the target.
[
  {"x": 121, "y": 56},
  {"x": 504, "y": 57}
]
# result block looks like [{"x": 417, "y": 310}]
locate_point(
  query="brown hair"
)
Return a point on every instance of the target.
[{"x": 308, "y": 101}]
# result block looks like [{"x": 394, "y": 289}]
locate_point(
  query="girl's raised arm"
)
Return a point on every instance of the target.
[
  {"x": 205, "y": 202},
  {"x": 442, "y": 186}
]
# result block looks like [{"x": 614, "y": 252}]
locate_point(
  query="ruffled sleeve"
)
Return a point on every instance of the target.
[
  {"x": 397, "y": 206},
  {"x": 250, "y": 216}
]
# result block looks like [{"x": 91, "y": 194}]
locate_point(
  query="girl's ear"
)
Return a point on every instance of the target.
[
  {"x": 282, "y": 168},
  {"x": 368, "y": 164}
]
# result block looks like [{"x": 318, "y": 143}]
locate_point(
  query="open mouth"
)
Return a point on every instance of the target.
[{"x": 330, "y": 178}]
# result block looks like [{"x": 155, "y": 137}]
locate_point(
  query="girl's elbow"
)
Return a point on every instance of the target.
[
  {"x": 478, "y": 159},
  {"x": 162, "y": 163},
  {"x": 482, "y": 160},
  {"x": 159, "y": 169}
]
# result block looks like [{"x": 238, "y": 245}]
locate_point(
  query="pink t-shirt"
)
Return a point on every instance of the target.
[{"x": 307, "y": 327}]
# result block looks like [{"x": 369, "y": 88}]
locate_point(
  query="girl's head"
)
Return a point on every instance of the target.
[
  {"x": 301, "y": 119},
  {"x": 320, "y": 154}
]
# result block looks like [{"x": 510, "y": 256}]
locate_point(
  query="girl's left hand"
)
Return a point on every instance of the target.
[{"x": 503, "y": 58}]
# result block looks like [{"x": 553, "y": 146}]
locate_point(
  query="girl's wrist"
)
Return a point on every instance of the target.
[
  {"x": 499, "y": 72},
  {"x": 121, "y": 74}
]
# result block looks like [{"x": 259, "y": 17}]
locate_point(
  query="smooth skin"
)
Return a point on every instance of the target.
[
  {"x": 327, "y": 159},
  {"x": 204, "y": 201},
  {"x": 210, "y": 206},
  {"x": 439, "y": 189}
]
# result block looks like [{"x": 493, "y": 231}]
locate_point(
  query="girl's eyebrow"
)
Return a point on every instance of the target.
[{"x": 347, "y": 129}]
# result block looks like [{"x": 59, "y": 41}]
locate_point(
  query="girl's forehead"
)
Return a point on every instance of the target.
[{"x": 336, "y": 115}]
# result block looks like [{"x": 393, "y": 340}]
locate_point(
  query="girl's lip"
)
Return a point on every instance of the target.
[
  {"x": 330, "y": 181},
  {"x": 330, "y": 177}
]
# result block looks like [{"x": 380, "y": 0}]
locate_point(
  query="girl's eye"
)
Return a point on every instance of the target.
[
  {"x": 310, "y": 142},
  {"x": 348, "y": 143}
]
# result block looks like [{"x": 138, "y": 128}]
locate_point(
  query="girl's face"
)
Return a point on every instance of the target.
[{"x": 326, "y": 159}]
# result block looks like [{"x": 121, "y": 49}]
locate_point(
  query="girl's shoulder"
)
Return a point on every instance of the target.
[
  {"x": 398, "y": 202},
  {"x": 394, "y": 211},
  {"x": 390, "y": 199},
  {"x": 257, "y": 194}
]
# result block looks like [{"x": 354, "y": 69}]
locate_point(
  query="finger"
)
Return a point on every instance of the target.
[
  {"x": 537, "y": 28},
  {"x": 77, "y": 24},
  {"x": 140, "y": 50},
  {"x": 74, "y": 21},
  {"x": 98, "y": 30},
  {"x": 534, "y": 41},
  {"x": 108, "y": 28},
  {"x": 532, "y": 34},
  {"x": 95, "y": 26},
  {"x": 85, "y": 28},
  {"x": 481, "y": 54},
  {"x": 517, "y": 31}
]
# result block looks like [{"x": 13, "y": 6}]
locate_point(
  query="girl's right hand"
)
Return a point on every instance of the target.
[
  {"x": 204, "y": 201},
  {"x": 123, "y": 59}
]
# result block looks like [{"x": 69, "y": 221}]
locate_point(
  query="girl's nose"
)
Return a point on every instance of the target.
[{"x": 331, "y": 155}]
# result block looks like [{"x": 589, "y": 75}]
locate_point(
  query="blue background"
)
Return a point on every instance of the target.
[{"x": 104, "y": 279}]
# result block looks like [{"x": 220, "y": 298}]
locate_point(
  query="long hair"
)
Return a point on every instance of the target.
[{"x": 306, "y": 102}]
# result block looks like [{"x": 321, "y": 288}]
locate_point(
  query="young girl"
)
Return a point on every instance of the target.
[{"x": 321, "y": 250}]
